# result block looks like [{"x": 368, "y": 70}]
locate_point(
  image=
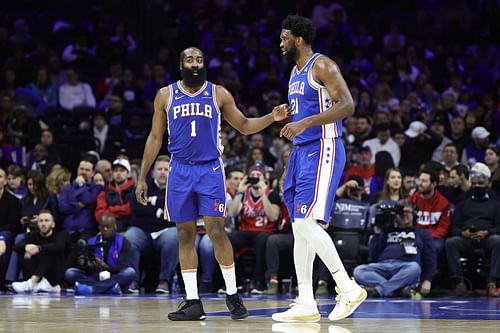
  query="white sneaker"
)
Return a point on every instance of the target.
[
  {"x": 44, "y": 286},
  {"x": 299, "y": 313},
  {"x": 347, "y": 303},
  {"x": 296, "y": 327},
  {"x": 23, "y": 287}
]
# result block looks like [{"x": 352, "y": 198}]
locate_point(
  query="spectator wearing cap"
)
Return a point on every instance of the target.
[
  {"x": 115, "y": 198},
  {"x": 475, "y": 151},
  {"x": 419, "y": 147},
  {"x": 383, "y": 142},
  {"x": 258, "y": 209},
  {"x": 365, "y": 169},
  {"x": 476, "y": 224}
]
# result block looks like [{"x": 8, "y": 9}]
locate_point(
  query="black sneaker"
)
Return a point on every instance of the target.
[
  {"x": 191, "y": 309},
  {"x": 236, "y": 307}
]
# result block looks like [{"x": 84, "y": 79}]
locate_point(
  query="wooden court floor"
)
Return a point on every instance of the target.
[{"x": 42, "y": 313}]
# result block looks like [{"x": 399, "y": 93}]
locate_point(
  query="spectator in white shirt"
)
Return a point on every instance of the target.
[
  {"x": 75, "y": 93},
  {"x": 384, "y": 142}
]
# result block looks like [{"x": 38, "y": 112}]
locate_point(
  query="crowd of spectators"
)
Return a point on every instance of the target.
[{"x": 77, "y": 92}]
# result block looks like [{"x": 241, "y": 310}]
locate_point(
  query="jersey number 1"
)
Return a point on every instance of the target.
[{"x": 193, "y": 128}]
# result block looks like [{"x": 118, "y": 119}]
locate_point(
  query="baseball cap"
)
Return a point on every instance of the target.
[
  {"x": 416, "y": 128},
  {"x": 480, "y": 169},
  {"x": 258, "y": 167},
  {"x": 123, "y": 163},
  {"x": 480, "y": 133}
]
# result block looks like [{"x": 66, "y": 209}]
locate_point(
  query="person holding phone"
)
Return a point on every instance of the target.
[{"x": 258, "y": 210}]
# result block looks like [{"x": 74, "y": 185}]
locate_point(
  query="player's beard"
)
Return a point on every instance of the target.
[
  {"x": 191, "y": 80},
  {"x": 290, "y": 54}
]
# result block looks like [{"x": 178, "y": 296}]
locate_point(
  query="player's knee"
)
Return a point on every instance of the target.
[
  {"x": 186, "y": 237},
  {"x": 216, "y": 233}
]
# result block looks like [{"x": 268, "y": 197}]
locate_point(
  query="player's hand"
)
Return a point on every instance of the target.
[
  {"x": 281, "y": 112},
  {"x": 3, "y": 247},
  {"x": 141, "y": 192},
  {"x": 291, "y": 130}
]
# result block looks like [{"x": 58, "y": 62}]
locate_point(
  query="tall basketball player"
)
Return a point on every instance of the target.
[
  {"x": 191, "y": 110},
  {"x": 319, "y": 99}
]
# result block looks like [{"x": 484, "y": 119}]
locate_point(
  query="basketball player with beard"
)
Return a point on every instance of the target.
[
  {"x": 191, "y": 110},
  {"x": 319, "y": 100}
]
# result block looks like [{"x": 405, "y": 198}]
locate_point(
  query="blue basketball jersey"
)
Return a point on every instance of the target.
[
  {"x": 193, "y": 123},
  {"x": 306, "y": 98}
]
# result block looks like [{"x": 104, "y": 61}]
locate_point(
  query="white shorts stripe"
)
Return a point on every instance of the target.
[{"x": 323, "y": 180}]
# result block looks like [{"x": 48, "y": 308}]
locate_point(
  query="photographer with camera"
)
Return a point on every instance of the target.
[
  {"x": 401, "y": 256},
  {"x": 103, "y": 264},
  {"x": 476, "y": 224},
  {"x": 258, "y": 208}
]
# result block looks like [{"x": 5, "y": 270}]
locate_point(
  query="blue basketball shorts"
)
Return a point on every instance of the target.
[
  {"x": 312, "y": 177},
  {"x": 195, "y": 190}
]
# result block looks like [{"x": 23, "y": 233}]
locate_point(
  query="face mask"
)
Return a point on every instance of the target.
[
  {"x": 478, "y": 192},
  {"x": 191, "y": 80}
]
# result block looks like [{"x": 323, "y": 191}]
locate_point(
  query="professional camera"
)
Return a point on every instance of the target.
[
  {"x": 87, "y": 252},
  {"x": 386, "y": 216},
  {"x": 253, "y": 180}
]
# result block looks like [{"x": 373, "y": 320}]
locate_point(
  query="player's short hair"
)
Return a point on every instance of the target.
[
  {"x": 183, "y": 53},
  {"x": 300, "y": 27}
]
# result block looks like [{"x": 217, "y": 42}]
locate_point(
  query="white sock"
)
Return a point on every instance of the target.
[
  {"x": 190, "y": 283},
  {"x": 303, "y": 258},
  {"x": 229, "y": 275},
  {"x": 323, "y": 245}
]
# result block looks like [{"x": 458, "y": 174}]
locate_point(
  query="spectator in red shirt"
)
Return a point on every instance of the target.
[
  {"x": 365, "y": 169},
  {"x": 432, "y": 209},
  {"x": 115, "y": 198}
]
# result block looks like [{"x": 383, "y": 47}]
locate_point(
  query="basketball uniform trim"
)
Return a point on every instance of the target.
[
  {"x": 328, "y": 130},
  {"x": 220, "y": 147},
  {"x": 167, "y": 107},
  {"x": 323, "y": 179},
  {"x": 179, "y": 85},
  {"x": 224, "y": 178},
  {"x": 166, "y": 214}
]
